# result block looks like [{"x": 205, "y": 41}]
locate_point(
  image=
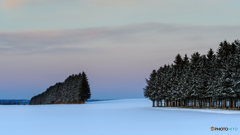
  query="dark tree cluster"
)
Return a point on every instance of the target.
[
  {"x": 75, "y": 89},
  {"x": 211, "y": 80}
]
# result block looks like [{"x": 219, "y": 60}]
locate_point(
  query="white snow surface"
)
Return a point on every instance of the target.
[{"x": 114, "y": 117}]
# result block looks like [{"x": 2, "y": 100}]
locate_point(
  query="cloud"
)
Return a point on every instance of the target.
[{"x": 147, "y": 37}]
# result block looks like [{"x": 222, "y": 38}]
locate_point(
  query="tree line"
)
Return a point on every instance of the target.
[
  {"x": 211, "y": 80},
  {"x": 75, "y": 89}
]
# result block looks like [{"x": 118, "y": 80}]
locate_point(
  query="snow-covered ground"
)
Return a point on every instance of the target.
[{"x": 115, "y": 117}]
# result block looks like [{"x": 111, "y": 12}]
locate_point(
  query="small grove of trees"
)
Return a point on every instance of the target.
[
  {"x": 211, "y": 80},
  {"x": 75, "y": 89}
]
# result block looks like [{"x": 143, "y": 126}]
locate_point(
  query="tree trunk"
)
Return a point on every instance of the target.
[
  {"x": 213, "y": 102},
  {"x": 199, "y": 102},
  {"x": 230, "y": 103},
  {"x": 219, "y": 103},
  {"x": 157, "y": 103},
  {"x": 181, "y": 102},
  {"x": 225, "y": 103},
  {"x": 192, "y": 102},
  {"x": 195, "y": 101},
  {"x": 234, "y": 103},
  {"x": 238, "y": 103},
  {"x": 204, "y": 103},
  {"x": 210, "y": 103},
  {"x": 222, "y": 102},
  {"x": 153, "y": 103},
  {"x": 184, "y": 102},
  {"x": 187, "y": 102}
]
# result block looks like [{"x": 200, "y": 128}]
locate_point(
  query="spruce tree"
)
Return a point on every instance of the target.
[
  {"x": 207, "y": 77},
  {"x": 150, "y": 91},
  {"x": 210, "y": 54},
  {"x": 159, "y": 84},
  {"x": 193, "y": 76},
  {"x": 213, "y": 75},
  {"x": 178, "y": 61},
  {"x": 85, "y": 93}
]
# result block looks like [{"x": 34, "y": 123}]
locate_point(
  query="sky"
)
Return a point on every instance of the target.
[{"x": 116, "y": 42}]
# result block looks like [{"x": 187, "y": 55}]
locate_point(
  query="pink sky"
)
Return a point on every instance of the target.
[
  {"x": 116, "y": 59},
  {"x": 116, "y": 42}
]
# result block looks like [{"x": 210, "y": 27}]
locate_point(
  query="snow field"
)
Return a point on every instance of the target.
[{"x": 114, "y": 117}]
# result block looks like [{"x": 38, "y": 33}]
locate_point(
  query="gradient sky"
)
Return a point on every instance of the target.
[{"x": 116, "y": 42}]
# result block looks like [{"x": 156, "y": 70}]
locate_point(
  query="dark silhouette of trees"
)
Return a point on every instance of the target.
[
  {"x": 150, "y": 90},
  {"x": 75, "y": 89},
  {"x": 211, "y": 80},
  {"x": 84, "y": 92}
]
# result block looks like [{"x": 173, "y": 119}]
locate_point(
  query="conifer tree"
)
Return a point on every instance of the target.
[
  {"x": 160, "y": 85},
  {"x": 150, "y": 91},
  {"x": 85, "y": 93},
  {"x": 178, "y": 61},
  {"x": 212, "y": 78}
]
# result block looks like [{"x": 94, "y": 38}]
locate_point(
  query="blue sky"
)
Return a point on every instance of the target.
[{"x": 116, "y": 42}]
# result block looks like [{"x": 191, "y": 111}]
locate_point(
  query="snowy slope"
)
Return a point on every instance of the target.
[{"x": 115, "y": 117}]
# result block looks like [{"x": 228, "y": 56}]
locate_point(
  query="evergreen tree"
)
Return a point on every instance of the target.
[
  {"x": 185, "y": 80},
  {"x": 178, "y": 61},
  {"x": 160, "y": 85},
  {"x": 193, "y": 76},
  {"x": 210, "y": 54},
  {"x": 224, "y": 51},
  {"x": 150, "y": 91},
  {"x": 207, "y": 77},
  {"x": 213, "y": 74},
  {"x": 85, "y": 93},
  {"x": 203, "y": 78}
]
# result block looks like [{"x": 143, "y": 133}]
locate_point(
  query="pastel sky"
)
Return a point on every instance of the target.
[{"x": 116, "y": 42}]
